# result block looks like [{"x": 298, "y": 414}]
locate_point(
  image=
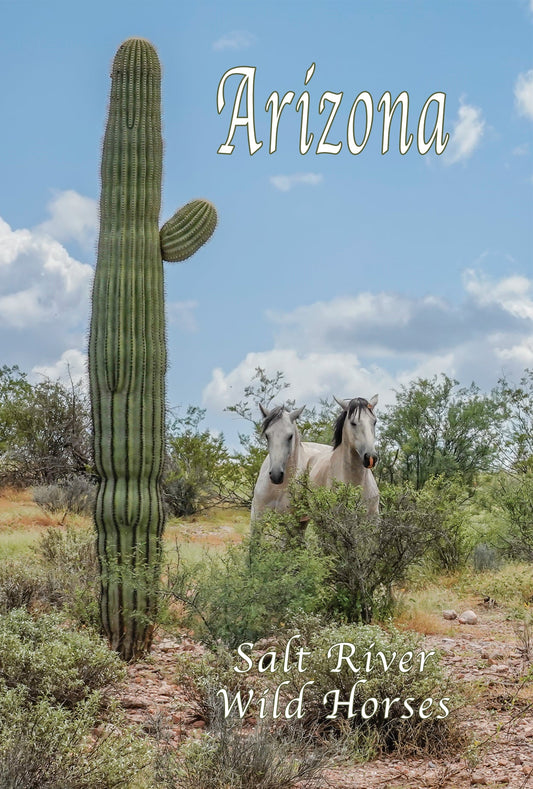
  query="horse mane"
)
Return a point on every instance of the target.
[
  {"x": 357, "y": 404},
  {"x": 273, "y": 416}
]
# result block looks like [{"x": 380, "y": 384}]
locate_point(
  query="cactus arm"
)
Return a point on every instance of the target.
[{"x": 189, "y": 228}]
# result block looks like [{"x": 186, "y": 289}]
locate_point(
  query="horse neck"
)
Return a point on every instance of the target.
[{"x": 347, "y": 463}]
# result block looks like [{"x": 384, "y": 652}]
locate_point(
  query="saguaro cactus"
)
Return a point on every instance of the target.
[{"x": 127, "y": 352}]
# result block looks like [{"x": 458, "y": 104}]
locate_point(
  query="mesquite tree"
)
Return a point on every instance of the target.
[{"x": 127, "y": 352}]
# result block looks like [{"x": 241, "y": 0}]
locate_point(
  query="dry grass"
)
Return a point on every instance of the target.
[
  {"x": 22, "y": 523},
  {"x": 423, "y": 622}
]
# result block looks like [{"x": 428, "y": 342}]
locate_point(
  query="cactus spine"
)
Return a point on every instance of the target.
[{"x": 127, "y": 351}]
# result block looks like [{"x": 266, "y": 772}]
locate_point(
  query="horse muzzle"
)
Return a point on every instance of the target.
[
  {"x": 276, "y": 477},
  {"x": 369, "y": 461}
]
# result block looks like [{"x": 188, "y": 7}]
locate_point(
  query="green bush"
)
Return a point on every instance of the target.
[
  {"x": 20, "y": 585},
  {"x": 513, "y": 498},
  {"x": 512, "y": 585},
  {"x": 443, "y": 511},
  {"x": 368, "y": 554},
  {"x": 71, "y": 574},
  {"x": 232, "y": 758},
  {"x": 51, "y": 661},
  {"x": 43, "y": 746},
  {"x": 393, "y": 720},
  {"x": 244, "y": 595},
  {"x": 200, "y": 680}
]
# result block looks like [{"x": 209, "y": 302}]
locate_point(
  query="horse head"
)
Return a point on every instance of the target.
[
  {"x": 281, "y": 433},
  {"x": 356, "y": 426}
]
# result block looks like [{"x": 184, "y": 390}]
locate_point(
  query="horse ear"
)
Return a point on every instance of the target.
[
  {"x": 373, "y": 402},
  {"x": 263, "y": 410},
  {"x": 296, "y": 414},
  {"x": 344, "y": 404}
]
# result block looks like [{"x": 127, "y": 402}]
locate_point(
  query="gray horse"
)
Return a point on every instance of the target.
[
  {"x": 287, "y": 457},
  {"x": 354, "y": 451}
]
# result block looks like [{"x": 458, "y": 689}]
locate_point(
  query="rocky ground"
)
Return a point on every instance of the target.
[{"x": 485, "y": 661}]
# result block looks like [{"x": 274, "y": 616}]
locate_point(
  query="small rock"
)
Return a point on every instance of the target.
[
  {"x": 478, "y": 778},
  {"x": 449, "y": 614},
  {"x": 468, "y": 618},
  {"x": 134, "y": 703}
]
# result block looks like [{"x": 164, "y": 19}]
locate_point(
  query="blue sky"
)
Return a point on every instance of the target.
[{"x": 351, "y": 274}]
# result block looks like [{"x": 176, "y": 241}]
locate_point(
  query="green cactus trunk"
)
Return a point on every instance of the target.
[{"x": 127, "y": 352}]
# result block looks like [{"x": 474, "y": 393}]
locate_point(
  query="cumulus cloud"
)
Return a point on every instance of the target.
[
  {"x": 466, "y": 134},
  {"x": 523, "y": 92},
  {"x": 286, "y": 182},
  {"x": 311, "y": 375},
  {"x": 236, "y": 39},
  {"x": 73, "y": 217},
  {"x": 40, "y": 283},
  {"x": 71, "y": 366},
  {"x": 357, "y": 345},
  {"x": 44, "y": 291}
]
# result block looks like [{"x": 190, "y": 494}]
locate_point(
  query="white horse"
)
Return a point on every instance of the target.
[
  {"x": 354, "y": 452},
  {"x": 287, "y": 457}
]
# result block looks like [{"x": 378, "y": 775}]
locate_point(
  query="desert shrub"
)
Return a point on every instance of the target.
[
  {"x": 256, "y": 760},
  {"x": 385, "y": 703},
  {"x": 44, "y": 430},
  {"x": 51, "y": 661},
  {"x": 513, "y": 498},
  {"x": 180, "y": 497},
  {"x": 43, "y": 746},
  {"x": 443, "y": 512},
  {"x": 72, "y": 495},
  {"x": 368, "y": 554},
  {"x": 20, "y": 585},
  {"x": 71, "y": 574},
  {"x": 512, "y": 584},
  {"x": 245, "y": 595},
  {"x": 199, "y": 470},
  {"x": 485, "y": 557},
  {"x": 200, "y": 680}
]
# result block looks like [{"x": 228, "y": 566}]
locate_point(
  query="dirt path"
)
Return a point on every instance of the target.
[{"x": 483, "y": 661}]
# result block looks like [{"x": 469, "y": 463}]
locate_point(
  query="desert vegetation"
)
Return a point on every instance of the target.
[{"x": 455, "y": 532}]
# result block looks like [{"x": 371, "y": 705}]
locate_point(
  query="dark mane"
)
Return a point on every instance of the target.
[
  {"x": 273, "y": 416},
  {"x": 357, "y": 404}
]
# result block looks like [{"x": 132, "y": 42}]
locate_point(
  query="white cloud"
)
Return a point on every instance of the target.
[
  {"x": 286, "y": 182},
  {"x": 181, "y": 313},
  {"x": 523, "y": 92},
  {"x": 71, "y": 366},
  {"x": 355, "y": 346},
  {"x": 44, "y": 298},
  {"x": 311, "y": 375},
  {"x": 466, "y": 135},
  {"x": 73, "y": 218},
  {"x": 236, "y": 39},
  {"x": 510, "y": 293},
  {"x": 39, "y": 282}
]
